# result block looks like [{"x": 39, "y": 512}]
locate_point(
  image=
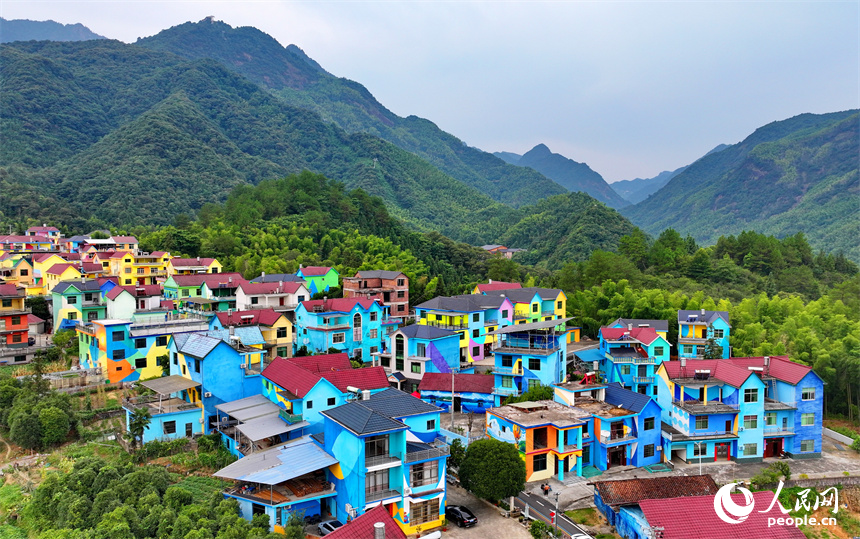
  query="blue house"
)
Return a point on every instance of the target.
[
  {"x": 418, "y": 349},
  {"x": 473, "y": 393},
  {"x": 390, "y": 453},
  {"x": 695, "y": 328},
  {"x": 529, "y": 355},
  {"x": 351, "y": 325},
  {"x": 630, "y": 356},
  {"x": 172, "y": 414}
]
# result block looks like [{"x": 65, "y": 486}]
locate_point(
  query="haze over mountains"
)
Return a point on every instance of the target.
[{"x": 25, "y": 30}]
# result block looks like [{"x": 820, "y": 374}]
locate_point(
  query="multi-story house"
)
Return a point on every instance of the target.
[
  {"x": 73, "y": 244},
  {"x": 125, "y": 243},
  {"x": 17, "y": 270},
  {"x": 473, "y": 316},
  {"x": 473, "y": 393},
  {"x": 534, "y": 304},
  {"x": 14, "y": 326},
  {"x": 418, "y": 349},
  {"x": 630, "y": 356},
  {"x": 140, "y": 268},
  {"x": 79, "y": 302},
  {"x": 319, "y": 278},
  {"x": 282, "y": 296},
  {"x": 25, "y": 244},
  {"x": 712, "y": 410},
  {"x": 192, "y": 266},
  {"x": 483, "y": 288},
  {"x": 58, "y": 273},
  {"x": 276, "y": 328},
  {"x": 183, "y": 288},
  {"x": 529, "y": 355},
  {"x": 352, "y": 326},
  {"x": 390, "y": 453},
  {"x": 548, "y": 435},
  {"x": 135, "y": 302},
  {"x": 50, "y": 232},
  {"x": 172, "y": 415},
  {"x": 220, "y": 290},
  {"x": 697, "y": 328},
  {"x": 660, "y": 326},
  {"x": 389, "y": 288}
]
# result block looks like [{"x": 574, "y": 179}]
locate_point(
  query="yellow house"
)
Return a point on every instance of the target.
[
  {"x": 17, "y": 270},
  {"x": 191, "y": 266},
  {"x": 59, "y": 273},
  {"x": 136, "y": 269},
  {"x": 276, "y": 328}
]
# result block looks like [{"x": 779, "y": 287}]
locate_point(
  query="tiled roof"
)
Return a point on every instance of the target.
[
  {"x": 24, "y": 239},
  {"x": 314, "y": 271},
  {"x": 179, "y": 262},
  {"x": 90, "y": 285},
  {"x": 33, "y": 319},
  {"x": 525, "y": 295},
  {"x": 720, "y": 369},
  {"x": 780, "y": 367},
  {"x": 91, "y": 267},
  {"x": 166, "y": 304},
  {"x": 323, "y": 362},
  {"x": 362, "y": 526},
  {"x": 658, "y": 325},
  {"x": 693, "y": 517},
  {"x": 265, "y": 317},
  {"x": 378, "y": 274},
  {"x": 420, "y": 331},
  {"x": 299, "y": 375},
  {"x": 644, "y": 335},
  {"x": 395, "y": 403},
  {"x": 7, "y": 290},
  {"x": 39, "y": 257},
  {"x": 58, "y": 269},
  {"x": 465, "y": 383},
  {"x": 247, "y": 335},
  {"x": 466, "y": 303},
  {"x": 497, "y": 285},
  {"x": 295, "y": 379},
  {"x": 43, "y": 229},
  {"x": 114, "y": 292},
  {"x": 707, "y": 316},
  {"x": 76, "y": 239},
  {"x": 343, "y": 305},
  {"x": 119, "y": 254},
  {"x": 275, "y": 277},
  {"x": 364, "y": 378},
  {"x": 276, "y": 287},
  {"x": 630, "y": 400},
  {"x": 633, "y": 491},
  {"x": 212, "y": 280},
  {"x": 124, "y": 239},
  {"x": 362, "y": 420},
  {"x": 142, "y": 291}
]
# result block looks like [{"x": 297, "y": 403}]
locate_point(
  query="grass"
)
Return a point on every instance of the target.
[
  {"x": 10, "y": 497},
  {"x": 11, "y": 532},
  {"x": 200, "y": 487},
  {"x": 587, "y": 516}
]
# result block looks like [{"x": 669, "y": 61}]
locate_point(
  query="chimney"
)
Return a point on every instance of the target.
[
  {"x": 629, "y": 327},
  {"x": 301, "y": 266},
  {"x": 229, "y": 280},
  {"x": 491, "y": 281},
  {"x": 703, "y": 312},
  {"x": 379, "y": 530},
  {"x": 198, "y": 259},
  {"x": 365, "y": 395},
  {"x": 683, "y": 362},
  {"x": 264, "y": 274}
]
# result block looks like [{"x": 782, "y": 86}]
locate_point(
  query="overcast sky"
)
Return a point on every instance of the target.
[{"x": 631, "y": 88}]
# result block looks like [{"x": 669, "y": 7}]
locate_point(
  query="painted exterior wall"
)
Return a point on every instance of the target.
[
  {"x": 637, "y": 374},
  {"x": 320, "y": 283},
  {"x": 279, "y": 302},
  {"x": 472, "y": 326},
  {"x": 318, "y": 335},
  {"x": 701, "y": 330},
  {"x": 323, "y": 396},
  {"x": 813, "y": 406},
  {"x": 182, "y": 420},
  {"x": 517, "y": 378}
]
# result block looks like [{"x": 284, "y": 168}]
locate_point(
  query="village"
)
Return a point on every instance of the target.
[{"x": 345, "y": 409}]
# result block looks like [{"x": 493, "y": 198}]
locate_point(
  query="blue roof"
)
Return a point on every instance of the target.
[
  {"x": 199, "y": 345},
  {"x": 629, "y": 400},
  {"x": 248, "y": 335},
  {"x": 590, "y": 355},
  {"x": 420, "y": 331},
  {"x": 280, "y": 464}
]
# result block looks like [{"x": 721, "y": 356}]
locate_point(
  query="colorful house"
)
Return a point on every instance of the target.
[
  {"x": 276, "y": 328},
  {"x": 277, "y": 277},
  {"x": 192, "y": 266},
  {"x": 319, "y": 278},
  {"x": 548, "y": 435},
  {"x": 14, "y": 325},
  {"x": 630, "y": 356},
  {"x": 282, "y": 296},
  {"x": 660, "y": 326},
  {"x": 389, "y": 288},
  {"x": 534, "y": 304},
  {"x": 138, "y": 269},
  {"x": 58, "y": 273},
  {"x": 25, "y": 244},
  {"x": 172, "y": 415},
  {"x": 696, "y": 328},
  {"x": 349, "y": 325},
  {"x": 473, "y": 393},
  {"x": 135, "y": 302},
  {"x": 17, "y": 270},
  {"x": 473, "y": 316},
  {"x": 418, "y": 349},
  {"x": 529, "y": 355},
  {"x": 181, "y": 288},
  {"x": 492, "y": 285},
  {"x": 50, "y": 232},
  {"x": 78, "y": 302},
  {"x": 391, "y": 453}
]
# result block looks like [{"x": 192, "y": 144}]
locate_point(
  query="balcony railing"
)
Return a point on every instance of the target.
[
  {"x": 695, "y": 406},
  {"x": 692, "y": 340},
  {"x": 616, "y": 437},
  {"x": 643, "y": 379},
  {"x": 446, "y": 325},
  {"x": 773, "y": 431},
  {"x": 290, "y": 418},
  {"x": 514, "y": 371},
  {"x": 773, "y": 404},
  {"x": 506, "y": 391},
  {"x": 547, "y": 313},
  {"x": 566, "y": 448},
  {"x": 370, "y": 462},
  {"x": 372, "y": 495},
  {"x": 438, "y": 449},
  {"x": 644, "y": 360},
  {"x": 491, "y": 321}
]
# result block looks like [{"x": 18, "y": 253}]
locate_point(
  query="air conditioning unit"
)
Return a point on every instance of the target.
[
  {"x": 740, "y": 429},
  {"x": 207, "y": 394},
  {"x": 659, "y": 448},
  {"x": 200, "y": 420}
]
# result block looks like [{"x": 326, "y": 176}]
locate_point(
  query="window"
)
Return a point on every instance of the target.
[
  {"x": 507, "y": 361},
  {"x": 374, "y": 350},
  {"x": 170, "y": 427},
  {"x": 750, "y": 450},
  {"x": 505, "y": 313},
  {"x": 18, "y": 359},
  {"x": 421, "y": 349},
  {"x": 750, "y": 422},
  {"x": 140, "y": 363},
  {"x": 309, "y": 405},
  {"x": 463, "y": 336},
  {"x": 431, "y": 424},
  {"x": 751, "y": 395},
  {"x": 539, "y": 463},
  {"x": 338, "y": 338},
  {"x": 385, "y": 360},
  {"x": 534, "y": 364},
  {"x": 25, "y": 272},
  {"x": 140, "y": 271},
  {"x": 701, "y": 422},
  {"x": 476, "y": 318},
  {"x": 700, "y": 449},
  {"x": 175, "y": 359},
  {"x": 415, "y": 367},
  {"x": 807, "y": 445},
  {"x": 71, "y": 300},
  {"x": 196, "y": 365},
  {"x": 807, "y": 420},
  {"x": 585, "y": 430},
  {"x": 16, "y": 337},
  {"x": 399, "y": 364},
  {"x": 476, "y": 333},
  {"x": 649, "y": 423},
  {"x": 255, "y": 300},
  {"x": 118, "y": 354},
  {"x": 424, "y": 512},
  {"x": 808, "y": 394},
  {"x": 649, "y": 451},
  {"x": 401, "y": 308},
  {"x": 128, "y": 281},
  {"x": 374, "y": 316},
  {"x": 185, "y": 293},
  {"x": 128, "y": 270},
  {"x": 687, "y": 349},
  {"x": 504, "y": 428},
  {"x": 331, "y": 401},
  {"x": 535, "y": 307},
  {"x": 718, "y": 333},
  {"x": 507, "y": 382},
  {"x": 770, "y": 419},
  {"x": 8, "y": 302},
  {"x": 558, "y": 304},
  {"x": 533, "y": 383},
  {"x": 658, "y": 351},
  {"x": 401, "y": 294},
  {"x": 401, "y": 282},
  {"x": 476, "y": 351},
  {"x": 73, "y": 316},
  {"x": 183, "y": 370},
  {"x": 625, "y": 369},
  {"x": 426, "y": 473},
  {"x": 140, "y": 343},
  {"x": 161, "y": 341},
  {"x": 376, "y": 446},
  {"x": 655, "y": 390}
]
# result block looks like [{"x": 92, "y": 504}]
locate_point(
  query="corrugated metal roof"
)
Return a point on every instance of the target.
[
  {"x": 169, "y": 384},
  {"x": 279, "y": 464},
  {"x": 249, "y": 408},
  {"x": 265, "y": 427},
  {"x": 199, "y": 345}
]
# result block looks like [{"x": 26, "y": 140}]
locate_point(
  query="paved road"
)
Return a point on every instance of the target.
[{"x": 540, "y": 507}]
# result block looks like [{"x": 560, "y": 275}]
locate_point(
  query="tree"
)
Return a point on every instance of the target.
[
  {"x": 138, "y": 422},
  {"x": 713, "y": 350},
  {"x": 503, "y": 269},
  {"x": 55, "y": 425},
  {"x": 493, "y": 470},
  {"x": 457, "y": 453}
]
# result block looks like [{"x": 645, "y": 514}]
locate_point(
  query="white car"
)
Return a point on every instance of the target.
[{"x": 327, "y": 526}]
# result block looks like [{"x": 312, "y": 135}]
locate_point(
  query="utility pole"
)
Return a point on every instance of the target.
[
  {"x": 555, "y": 520},
  {"x": 452, "y": 405}
]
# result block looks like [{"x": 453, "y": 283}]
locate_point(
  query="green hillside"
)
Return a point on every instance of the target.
[
  {"x": 796, "y": 175},
  {"x": 300, "y": 81},
  {"x": 27, "y": 30}
]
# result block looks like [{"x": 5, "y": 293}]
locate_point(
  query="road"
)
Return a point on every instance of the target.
[{"x": 540, "y": 507}]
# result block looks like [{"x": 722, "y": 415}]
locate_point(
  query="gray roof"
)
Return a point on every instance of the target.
[
  {"x": 379, "y": 413},
  {"x": 708, "y": 316},
  {"x": 78, "y": 238},
  {"x": 464, "y": 303},
  {"x": 249, "y": 408},
  {"x": 268, "y": 426},
  {"x": 248, "y": 335},
  {"x": 169, "y": 384},
  {"x": 488, "y": 247},
  {"x": 517, "y": 328},
  {"x": 395, "y": 403},
  {"x": 420, "y": 331},
  {"x": 629, "y": 400},
  {"x": 378, "y": 274},
  {"x": 90, "y": 285},
  {"x": 199, "y": 345},
  {"x": 279, "y": 464},
  {"x": 658, "y": 325},
  {"x": 525, "y": 295},
  {"x": 180, "y": 339},
  {"x": 278, "y": 277}
]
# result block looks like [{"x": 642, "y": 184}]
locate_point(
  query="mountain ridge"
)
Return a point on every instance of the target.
[{"x": 28, "y": 30}]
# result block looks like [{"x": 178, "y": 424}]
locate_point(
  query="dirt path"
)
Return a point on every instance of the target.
[{"x": 8, "y": 450}]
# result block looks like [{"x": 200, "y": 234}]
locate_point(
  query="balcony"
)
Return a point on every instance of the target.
[
  {"x": 696, "y": 407},
  {"x": 692, "y": 340},
  {"x": 292, "y": 491},
  {"x": 437, "y": 449},
  {"x": 157, "y": 406},
  {"x": 382, "y": 461},
  {"x": 446, "y": 325},
  {"x": 85, "y": 327},
  {"x": 778, "y": 431},
  {"x": 614, "y": 438},
  {"x": 643, "y": 379},
  {"x": 771, "y": 405},
  {"x": 547, "y": 313},
  {"x": 644, "y": 360},
  {"x": 506, "y": 391},
  {"x": 372, "y": 495},
  {"x": 677, "y": 436},
  {"x": 511, "y": 371},
  {"x": 567, "y": 448},
  {"x": 290, "y": 418},
  {"x": 491, "y": 321}
]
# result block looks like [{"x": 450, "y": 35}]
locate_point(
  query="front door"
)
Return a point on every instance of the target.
[
  {"x": 616, "y": 456},
  {"x": 722, "y": 452}
]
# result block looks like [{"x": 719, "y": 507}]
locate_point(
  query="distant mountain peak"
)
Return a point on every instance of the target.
[
  {"x": 27, "y": 30},
  {"x": 541, "y": 150}
]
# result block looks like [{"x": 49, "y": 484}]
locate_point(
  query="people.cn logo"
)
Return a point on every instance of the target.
[{"x": 730, "y": 512}]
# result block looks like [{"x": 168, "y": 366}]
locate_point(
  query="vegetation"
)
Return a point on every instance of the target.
[
  {"x": 457, "y": 454},
  {"x": 34, "y": 417},
  {"x": 775, "y": 472},
  {"x": 493, "y": 470}
]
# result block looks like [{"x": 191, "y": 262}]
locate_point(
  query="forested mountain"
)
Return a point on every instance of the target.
[
  {"x": 637, "y": 190},
  {"x": 568, "y": 173},
  {"x": 795, "y": 175},
  {"x": 300, "y": 81},
  {"x": 27, "y": 30}
]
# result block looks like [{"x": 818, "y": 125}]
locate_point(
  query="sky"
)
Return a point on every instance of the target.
[{"x": 630, "y": 87}]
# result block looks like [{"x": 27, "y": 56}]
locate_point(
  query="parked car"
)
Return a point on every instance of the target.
[
  {"x": 327, "y": 526},
  {"x": 461, "y": 515}
]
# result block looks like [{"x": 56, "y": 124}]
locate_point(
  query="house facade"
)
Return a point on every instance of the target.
[
  {"x": 529, "y": 355},
  {"x": 418, "y": 349},
  {"x": 353, "y": 326},
  {"x": 389, "y": 288},
  {"x": 697, "y": 328},
  {"x": 78, "y": 302},
  {"x": 276, "y": 328},
  {"x": 319, "y": 278},
  {"x": 630, "y": 356},
  {"x": 280, "y": 296}
]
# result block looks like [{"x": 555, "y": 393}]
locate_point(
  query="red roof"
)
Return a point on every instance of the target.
[
  {"x": 632, "y": 491},
  {"x": 58, "y": 269},
  {"x": 211, "y": 279},
  {"x": 91, "y": 267},
  {"x": 43, "y": 229},
  {"x": 7, "y": 290},
  {"x": 24, "y": 239},
  {"x": 179, "y": 262},
  {"x": 158, "y": 253},
  {"x": 323, "y": 362},
  {"x": 71, "y": 257},
  {"x": 314, "y": 271},
  {"x": 362, "y": 526},
  {"x": 693, "y": 517},
  {"x": 344, "y": 305},
  {"x": 465, "y": 383},
  {"x": 145, "y": 290},
  {"x": 780, "y": 367},
  {"x": 265, "y": 317},
  {"x": 271, "y": 288},
  {"x": 497, "y": 285},
  {"x": 45, "y": 256},
  {"x": 33, "y": 319},
  {"x": 644, "y": 335},
  {"x": 721, "y": 369},
  {"x": 364, "y": 378},
  {"x": 298, "y": 380},
  {"x": 166, "y": 304},
  {"x": 124, "y": 239},
  {"x": 108, "y": 279}
]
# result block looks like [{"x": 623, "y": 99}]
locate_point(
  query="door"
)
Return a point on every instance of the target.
[
  {"x": 722, "y": 452},
  {"x": 188, "y": 429},
  {"x": 729, "y": 425},
  {"x": 616, "y": 456},
  {"x": 784, "y": 423},
  {"x": 616, "y": 430},
  {"x": 643, "y": 371}
]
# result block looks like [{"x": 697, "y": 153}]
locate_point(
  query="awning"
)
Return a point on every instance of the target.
[
  {"x": 268, "y": 426},
  {"x": 279, "y": 464},
  {"x": 517, "y": 328},
  {"x": 249, "y": 408},
  {"x": 169, "y": 384}
]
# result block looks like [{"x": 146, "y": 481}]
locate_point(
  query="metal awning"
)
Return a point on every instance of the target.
[
  {"x": 279, "y": 464},
  {"x": 516, "y": 328},
  {"x": 268, "y": 426},
  {"x": 169, "y": 384},
  {"x": 249, "y": 408}
]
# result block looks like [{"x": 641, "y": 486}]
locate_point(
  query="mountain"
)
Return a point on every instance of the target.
[
  {"x": 509, "y": 157},
  {"x": 26, "y": 30},
  {"x": 301, "y": 82},
  {"x": 637, "y": 190},
  {"x": 794, "y": 175},
  {"x": 571, "y": 175}
]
